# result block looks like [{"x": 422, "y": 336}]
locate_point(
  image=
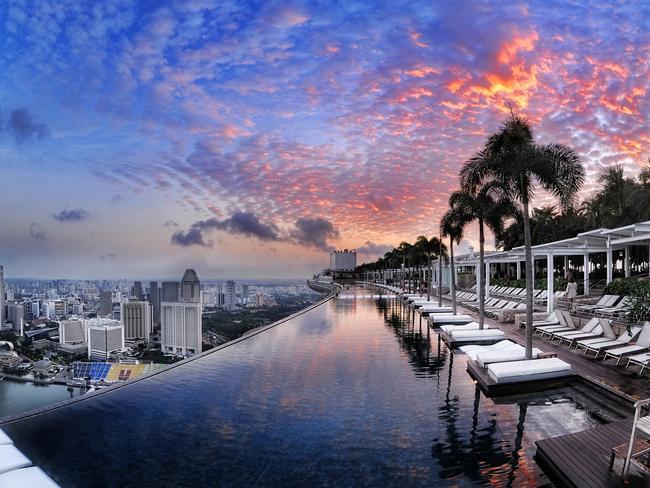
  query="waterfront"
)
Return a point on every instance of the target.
[
  {"x": 351, "y": 392},
  {"x": 18, "y": 396}
]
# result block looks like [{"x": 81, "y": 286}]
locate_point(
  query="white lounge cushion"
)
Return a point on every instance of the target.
[
  {"x": 4, "y": 438},
  {"x": 468, "y": 326},
  {"x": 469, "y": 335},
  {"x": 450, "y": 319},
  {"x": 530, "y": 370},
  {"x": 11, "y": 458},
  {"x": 513, "y": 353},
  {"x": 33, "y": 477},
  {"x": 473, "y": 349}
]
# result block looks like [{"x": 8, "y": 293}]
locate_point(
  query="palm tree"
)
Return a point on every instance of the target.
[
  {"x": 450, "y": 227},
  {"x": 519, "y": 165},
  {"x": 403, "y": 251},
  {"x": 486, "y": 205},
  {"x": 431, "y": 248}
]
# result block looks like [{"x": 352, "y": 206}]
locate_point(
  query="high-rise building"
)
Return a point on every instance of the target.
[
  {"x": 180, "y": 320},
  {"x": 244, "y": 295},
  {"x": 231, "y": 298},
  {"x": 36, "y": 310},
  {"x": 136, "y": 290},
  {"x": 345, "y": 260},
  {"x": 104, "y": 336},
  {"x": 105, "y": 303},
  {"x": 169, "y": 291},
  {"x": 72, "y": 331},
  {"x": 2, "y": 296},
  {"x": 136, "y": 317},
  {"x": 154, "y": 300}
]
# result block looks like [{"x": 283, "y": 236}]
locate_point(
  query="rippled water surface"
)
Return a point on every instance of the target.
[
  {"x": 16, "y": 397},
  {"x": 354, "y": 392}
]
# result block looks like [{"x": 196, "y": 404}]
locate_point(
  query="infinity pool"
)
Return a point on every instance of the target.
[{"x": 353, "y": 392}]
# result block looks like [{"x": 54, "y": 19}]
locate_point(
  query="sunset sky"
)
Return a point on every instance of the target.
[{"x": 245, "y": 139}]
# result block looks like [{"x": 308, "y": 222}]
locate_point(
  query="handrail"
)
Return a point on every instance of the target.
[{"x": 628, "y": 457}]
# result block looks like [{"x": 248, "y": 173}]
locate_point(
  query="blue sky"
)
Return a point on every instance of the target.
[{"x": 248, "y": 138}]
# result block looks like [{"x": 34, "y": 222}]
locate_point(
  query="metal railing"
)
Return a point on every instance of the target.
[{"x": 637, "y": 414}]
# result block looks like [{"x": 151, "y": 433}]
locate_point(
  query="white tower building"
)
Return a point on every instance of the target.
[
  {"x": 180, "y": 321},
  {"x": 137, "y": 317}
]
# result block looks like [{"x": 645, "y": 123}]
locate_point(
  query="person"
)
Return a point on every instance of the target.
[{"x": 571, "y": 291}]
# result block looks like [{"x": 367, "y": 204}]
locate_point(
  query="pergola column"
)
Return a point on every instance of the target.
[
  {"x": 477, "y": 272},
  {"x": 566, "y": 265},
  {"x": 518, "y": 269},
  {"x": 626, "y": 262},
  {"x": 550, "y": 301},
  {"x": 585, "y": 285},
  {"x": 487, "y": 280},
  {"x": 609, "y": 261}
]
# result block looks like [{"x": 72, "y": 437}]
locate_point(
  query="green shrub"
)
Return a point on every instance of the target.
[{"x": 632, "y": 287}]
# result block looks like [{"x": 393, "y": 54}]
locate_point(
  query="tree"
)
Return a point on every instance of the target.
[
  {"x": 486, "y": 205},
  {"x": 431, "y": 248},
  {"x": 449, "y": 224},
  {"x": 519, "y": 165}
]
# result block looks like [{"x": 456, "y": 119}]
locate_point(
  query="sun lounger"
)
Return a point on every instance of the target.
[
  {"x": 621, "y": 307},
  {"x": 642, "y": 345},
  {"x": 565, "y": 325},
  {"x": 530, "y": 370},
  {"x": 642, "y": 360},
  {"x": 450, "y": 319},
  {"x": 435, "y": 309},
  {"x": 468, "y": 326},
  {"x": 605, "y": 301},
  {"x": 512, "y": 353},
  {"x": 11, "y": 458},
  {"x": 473, "y": 349},
  {"x": 598, "y": 345},
  {"x": 585, "y": 329},
  {"x": 32, "y": 477},
  {"x": 494, "y": 335},
  {"x": 597, "y": 331}
]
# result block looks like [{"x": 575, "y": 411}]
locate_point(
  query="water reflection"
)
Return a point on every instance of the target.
[{"x": 355, "y": 392}]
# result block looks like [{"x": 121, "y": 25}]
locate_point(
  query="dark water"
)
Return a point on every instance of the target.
[
  {"x": 16, "y": 397},
  {"x": 351, "y": 393}
]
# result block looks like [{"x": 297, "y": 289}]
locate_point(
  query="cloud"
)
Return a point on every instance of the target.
[
  {"x": 193, "y": 237},
  {"x": 240, "y": 223},
  {"x": 23, "y": 127},
  {"x": 308, "y": 232},
  {"x": 74, "y": 215},
  {"x": 36, "y": 233},
  {"x": 370, "y": 248},
  {"x": 314, "y": 232}
]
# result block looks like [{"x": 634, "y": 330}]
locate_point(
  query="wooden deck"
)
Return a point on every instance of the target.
[{"x": 581, "y": 459}]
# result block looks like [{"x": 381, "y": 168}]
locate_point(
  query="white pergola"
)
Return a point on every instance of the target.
[{"x": 603, "y": 241}]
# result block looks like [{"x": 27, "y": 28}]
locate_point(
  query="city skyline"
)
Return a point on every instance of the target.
[{"x": 246, "y": 140}]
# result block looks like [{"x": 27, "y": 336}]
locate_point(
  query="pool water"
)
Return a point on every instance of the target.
[
  {"x": 353, "y": 392},
  {"x": 18, "y": 396}
]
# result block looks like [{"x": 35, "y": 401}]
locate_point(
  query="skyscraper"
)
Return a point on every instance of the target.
[
  {"x": 136, "y": 317},
  {"x": 231, "y": 298},
  {"x": 136, "y": 291},
  {"x": 181, "y": 328},
  {"x": 154, "y": 299},
  {"x": 2, "y": 296},
  {"x": 104, "y": 336},
  {"x": 170, "y": 291},
  {"x": 244, "y": 294},
  {"x": 105, "y": 303}
]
